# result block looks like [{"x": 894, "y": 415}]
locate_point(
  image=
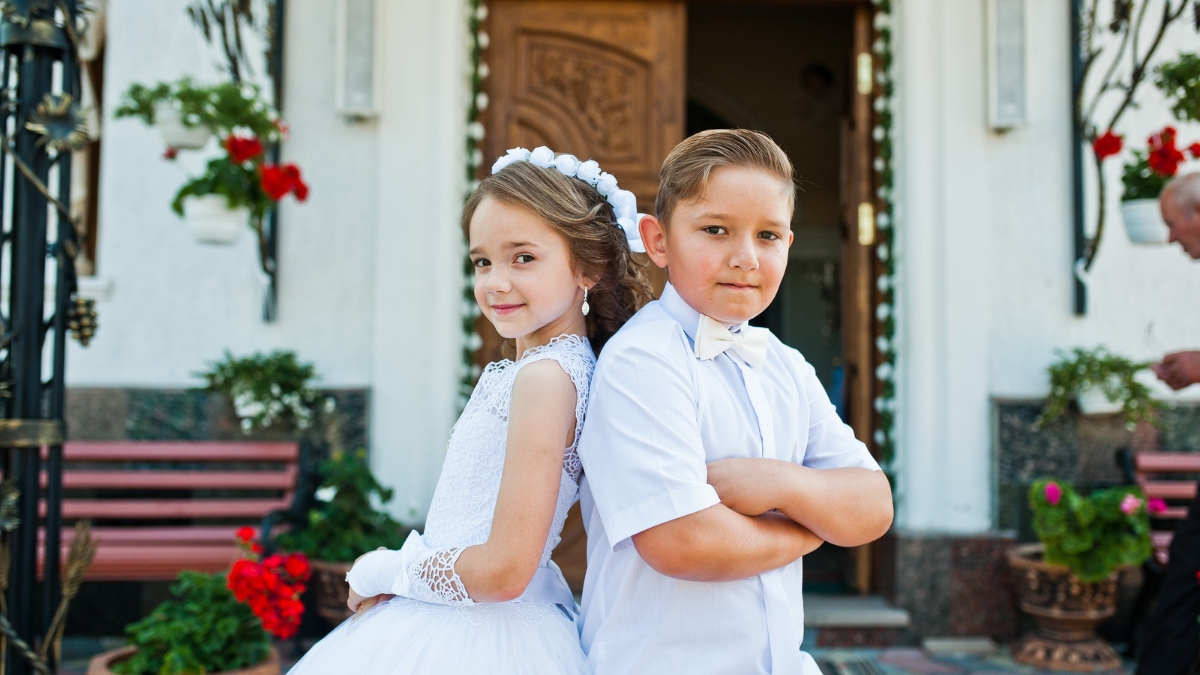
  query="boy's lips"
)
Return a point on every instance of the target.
[{"x": 739, "y": 287}]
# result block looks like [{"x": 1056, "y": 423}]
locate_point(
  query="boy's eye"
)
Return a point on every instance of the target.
[
  {"x": 714, "y": 229},
  {"x": 524, "y": 258},
  {"x": 771, "y": 236},
  {"x": 480, "y": 263}
]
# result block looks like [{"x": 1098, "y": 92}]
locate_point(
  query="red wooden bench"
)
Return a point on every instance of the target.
[
  {"x": 1172, "y": 477},
  {"x": 161, "y": 507}
]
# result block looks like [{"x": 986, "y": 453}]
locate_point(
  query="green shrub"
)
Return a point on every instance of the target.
[
  {"x": 204, "y": 630},
  {"x": 222, "y": 108},
  {"x": 1179, "y": 80},
  {"x": 346, "y": 524},
  {"x": 1093, "y": 535}
]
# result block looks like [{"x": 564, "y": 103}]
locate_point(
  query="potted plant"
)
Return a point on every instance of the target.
[
  {"x": 239, "y": 186},
  {"x": 266, "y": 389},
  {"x": 1068, "y": 582},
  {"x": 1144, "y": 180},
  {"x": 344, "y": 525},
  {"x": 1101, "y": 383},
  {"x": 187, "y": 115},
  {"x": 217, "y": 623}
]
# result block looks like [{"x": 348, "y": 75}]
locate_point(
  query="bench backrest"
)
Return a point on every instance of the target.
[
  {"x": 141, "y": 482},
  {"x": 1171, "y": 477}
]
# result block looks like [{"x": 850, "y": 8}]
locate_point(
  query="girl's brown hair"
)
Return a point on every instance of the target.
[{"x": 584, "y": 218}]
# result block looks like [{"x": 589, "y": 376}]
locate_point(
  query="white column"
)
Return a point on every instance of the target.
[
  {"x": 418, "y": 248},
  {"x": 943, "y": 459}
]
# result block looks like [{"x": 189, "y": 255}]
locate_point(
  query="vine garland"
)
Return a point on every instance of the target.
[
  {"x": 885, "y": 310},
  {"x": 477, "y": 40}
]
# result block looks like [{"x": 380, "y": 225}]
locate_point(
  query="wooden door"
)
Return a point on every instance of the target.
[
  {"x": 602, "y": 80},
  {"x": 858, "y": 263}
]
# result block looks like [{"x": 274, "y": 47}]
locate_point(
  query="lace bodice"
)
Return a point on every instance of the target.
[{"x": 465, "y": 498}]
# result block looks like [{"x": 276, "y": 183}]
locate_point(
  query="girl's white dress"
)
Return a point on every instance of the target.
[{"x": 404, "y": 635}]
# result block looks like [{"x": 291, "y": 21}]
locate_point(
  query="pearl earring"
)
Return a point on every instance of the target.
[{"x": 586, "y": 307}]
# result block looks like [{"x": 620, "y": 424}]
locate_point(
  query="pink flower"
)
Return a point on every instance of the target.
[
  {"x": 1130, "y": 505},
  {"x": 1156, "y": 505},
  {"x": 1053, "y": 493}
]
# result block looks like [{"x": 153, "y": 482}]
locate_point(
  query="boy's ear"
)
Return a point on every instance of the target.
[{"x": 654, "y": 238}]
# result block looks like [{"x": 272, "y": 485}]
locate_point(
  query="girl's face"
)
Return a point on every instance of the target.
[{"x": 523, "y": 278}]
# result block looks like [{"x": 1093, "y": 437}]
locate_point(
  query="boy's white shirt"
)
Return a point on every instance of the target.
[{"x": 656, "y": 416}]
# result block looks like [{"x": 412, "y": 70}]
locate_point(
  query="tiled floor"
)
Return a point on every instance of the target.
[{"x": 914, "y": 661}]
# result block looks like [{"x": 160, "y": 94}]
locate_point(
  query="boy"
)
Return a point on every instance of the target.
[{"x": 713, "y": 459}]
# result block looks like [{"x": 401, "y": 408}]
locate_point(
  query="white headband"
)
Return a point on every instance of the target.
[{"x": 624, "y": 202}]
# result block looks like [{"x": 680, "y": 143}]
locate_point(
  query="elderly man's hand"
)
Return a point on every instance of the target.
[{"x": 1179, "y": 370}]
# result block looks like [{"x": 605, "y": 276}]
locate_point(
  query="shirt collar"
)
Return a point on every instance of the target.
[{"x": 689, "y": 318}]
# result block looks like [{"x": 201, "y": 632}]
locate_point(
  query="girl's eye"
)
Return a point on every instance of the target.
[
  {"x": 524, "y": 258},
  {"x": 480, "y": 263},
  {"x": 714, "y": 229}
]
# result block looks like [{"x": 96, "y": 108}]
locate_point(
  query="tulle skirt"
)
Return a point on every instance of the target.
[{"x": 403, "y": 636}]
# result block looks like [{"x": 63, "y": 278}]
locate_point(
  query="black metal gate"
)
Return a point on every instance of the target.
[{"x": 40, "y": 124}]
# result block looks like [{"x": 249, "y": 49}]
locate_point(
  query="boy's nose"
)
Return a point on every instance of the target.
[{"x": 744, "y": 256}]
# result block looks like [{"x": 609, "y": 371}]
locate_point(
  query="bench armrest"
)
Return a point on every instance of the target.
[{"x": 308, "y": 479}]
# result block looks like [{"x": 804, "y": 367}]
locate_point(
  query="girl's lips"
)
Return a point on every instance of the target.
[{"x": 505, "y": 309}]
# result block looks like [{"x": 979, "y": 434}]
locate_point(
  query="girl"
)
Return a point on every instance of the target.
[{"x": 550, "y": 240}]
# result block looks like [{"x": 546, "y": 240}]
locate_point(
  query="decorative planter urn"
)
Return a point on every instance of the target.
[
  {"x": 1066, "y": 611},
  {"x": 174, "y": 134},
  {"x": 211, "y": 221},
  {"x": 330, "y": 590},
  {"x": 1143, "y": 221},
  {"x": 101, "y": 664}
]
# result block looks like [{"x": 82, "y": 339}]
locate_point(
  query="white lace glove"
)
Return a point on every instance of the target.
[{"x": 415, "y": 571}]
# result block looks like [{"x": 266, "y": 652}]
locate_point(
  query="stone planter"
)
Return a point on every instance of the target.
[
  {"x": 1066, "y": 611},
  {"x": 175, "y": 134},
  {"x": 101, "y": 664},
  {"x": 211, "y": 221},
  {"x": 330, "y": 590},
  {"x": 1092, "y": 401},
  {"x": 1143, "y": 221}
]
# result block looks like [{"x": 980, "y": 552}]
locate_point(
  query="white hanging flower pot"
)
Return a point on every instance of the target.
[
  {"x": 211, "y": 221},
  {"x": 1143, "y": 221},
  {"x": 174, "y": 134},
  {"x": 1092, "y": 401}
]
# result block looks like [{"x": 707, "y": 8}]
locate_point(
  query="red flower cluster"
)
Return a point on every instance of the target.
[
  {"x": 278, "y": 181},
  {"x": 271, "y": 586},
  {"x": 1164, "y": 158},
  {"x": 242, "y": 149},
  {"x": 1107, "y": 145}
]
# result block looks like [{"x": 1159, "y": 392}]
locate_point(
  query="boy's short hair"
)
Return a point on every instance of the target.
[{"x": 686, "y": 170}]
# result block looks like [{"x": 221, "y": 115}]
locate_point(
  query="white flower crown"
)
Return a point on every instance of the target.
[{"x": 624, "y": 202}]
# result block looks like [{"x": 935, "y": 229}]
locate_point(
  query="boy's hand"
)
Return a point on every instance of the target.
[{"x": 745, "y": 485}]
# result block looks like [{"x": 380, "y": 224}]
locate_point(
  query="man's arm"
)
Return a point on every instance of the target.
[
  {"x": 719, "y": 544},
  {"x": 846, "y": 507},
  {"x": 1179, "y": 370}
]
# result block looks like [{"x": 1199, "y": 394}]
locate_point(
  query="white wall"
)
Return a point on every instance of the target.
[
  {"x": 369, "y": 265},
  {"x": 985, "y": 253}
]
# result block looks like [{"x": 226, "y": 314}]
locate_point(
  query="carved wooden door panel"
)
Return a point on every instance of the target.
[
  {"x": 598, "y": 79},
  {"x": 602, "y": 80}
]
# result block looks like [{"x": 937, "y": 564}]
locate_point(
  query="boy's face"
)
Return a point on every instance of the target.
[{"x": 726, "y": 251}]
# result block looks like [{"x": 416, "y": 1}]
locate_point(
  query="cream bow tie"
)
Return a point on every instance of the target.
[{"x": 713, "y": 338}]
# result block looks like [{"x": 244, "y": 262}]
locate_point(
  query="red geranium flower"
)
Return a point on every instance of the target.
[
  {"x": 245, "y": 534},
  {"x": 278, "y": 181},
  {"x": 271, "y": 586},
  {"x": 170, "y": 153},
  {"x": 1164, "y": 158},
  {"x": 242, "y": 149},
  {"x": 1194, "y": 150},
  {"x": 1107, "y": 145}
]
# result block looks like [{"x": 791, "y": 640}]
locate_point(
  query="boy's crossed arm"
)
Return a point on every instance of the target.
[
  {"x": 741, "y": 537},
  {"x": 848, "y": 506}
]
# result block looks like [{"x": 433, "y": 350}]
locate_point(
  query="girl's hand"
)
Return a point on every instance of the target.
[
  {"x": 745, "y": 485},
  {"x": 359, "y": 605}
]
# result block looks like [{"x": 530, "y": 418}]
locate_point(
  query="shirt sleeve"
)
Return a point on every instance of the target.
[
  {"x": 831, "y": 442},
  {"x": 641, "y": 447}
]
